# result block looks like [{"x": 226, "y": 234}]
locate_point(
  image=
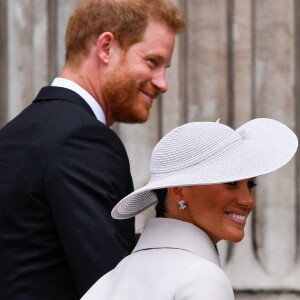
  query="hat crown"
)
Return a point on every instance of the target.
[{"x": 191, "y": 144}]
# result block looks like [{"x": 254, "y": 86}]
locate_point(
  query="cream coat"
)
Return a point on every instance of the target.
[{"x": 172, "y": 260}]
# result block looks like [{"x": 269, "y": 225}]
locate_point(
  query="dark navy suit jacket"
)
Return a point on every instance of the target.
[{"x": 61, "y": 173}]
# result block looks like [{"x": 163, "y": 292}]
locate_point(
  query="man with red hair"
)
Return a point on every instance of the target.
[{"x": 62, "y": 168}]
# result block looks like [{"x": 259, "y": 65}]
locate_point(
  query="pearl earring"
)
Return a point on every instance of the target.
[{"x": 181, "y": 204}]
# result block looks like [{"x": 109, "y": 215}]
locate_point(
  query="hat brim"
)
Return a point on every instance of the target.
[{"x": 265, "y": 146}]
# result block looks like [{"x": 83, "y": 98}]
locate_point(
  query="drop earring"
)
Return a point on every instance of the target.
[{"x": 182, "y": 205}]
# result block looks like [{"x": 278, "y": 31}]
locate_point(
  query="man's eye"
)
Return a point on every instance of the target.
[
  {"x": 252, "y": 184},
  {"x": 152, "y": 61}
]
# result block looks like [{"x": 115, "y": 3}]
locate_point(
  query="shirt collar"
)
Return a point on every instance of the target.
[
  {"x": 89, "y": 99},
  {"x": 171, "y": 233}
]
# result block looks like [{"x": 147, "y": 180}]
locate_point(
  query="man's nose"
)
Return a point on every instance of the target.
[{"x": 160, "y": 82}]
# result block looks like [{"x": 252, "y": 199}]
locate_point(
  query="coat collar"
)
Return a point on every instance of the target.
[
  {"x": 171, "y": 233},
  {"x": 88, "y": 98},
  {"x": 50, "y": 93}
]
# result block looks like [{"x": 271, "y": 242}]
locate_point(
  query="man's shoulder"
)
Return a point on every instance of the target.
[{"x": 56, "y": 114}]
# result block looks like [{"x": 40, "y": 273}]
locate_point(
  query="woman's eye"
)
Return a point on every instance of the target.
[
  {"x": 233, "y": 183},
  {"x": 252, "y": 184}
]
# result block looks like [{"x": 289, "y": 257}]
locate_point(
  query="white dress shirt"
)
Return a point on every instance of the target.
[
  {"x": 90, "y": 100},
  {"x": 172, "y": 260}
]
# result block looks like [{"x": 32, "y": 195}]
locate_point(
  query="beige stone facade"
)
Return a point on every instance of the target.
[{"x": 239, "y": 59}]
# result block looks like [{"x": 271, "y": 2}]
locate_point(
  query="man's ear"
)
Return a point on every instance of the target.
[{"x": 104, "y": 46}]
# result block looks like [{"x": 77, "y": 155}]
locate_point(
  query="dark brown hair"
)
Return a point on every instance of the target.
[{"x": 160, "y": 207}]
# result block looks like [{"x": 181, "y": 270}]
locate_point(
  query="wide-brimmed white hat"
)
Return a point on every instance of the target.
[{"x": 205, "y": 153}]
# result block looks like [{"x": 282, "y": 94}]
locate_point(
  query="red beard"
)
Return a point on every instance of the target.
[{"x": 122, "y": 94}]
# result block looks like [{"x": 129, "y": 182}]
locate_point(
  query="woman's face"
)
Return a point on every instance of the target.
[{"x": 220, "y": 210}]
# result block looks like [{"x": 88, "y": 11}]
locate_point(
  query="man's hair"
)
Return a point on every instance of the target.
[{"x": 125, "y": 19}]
